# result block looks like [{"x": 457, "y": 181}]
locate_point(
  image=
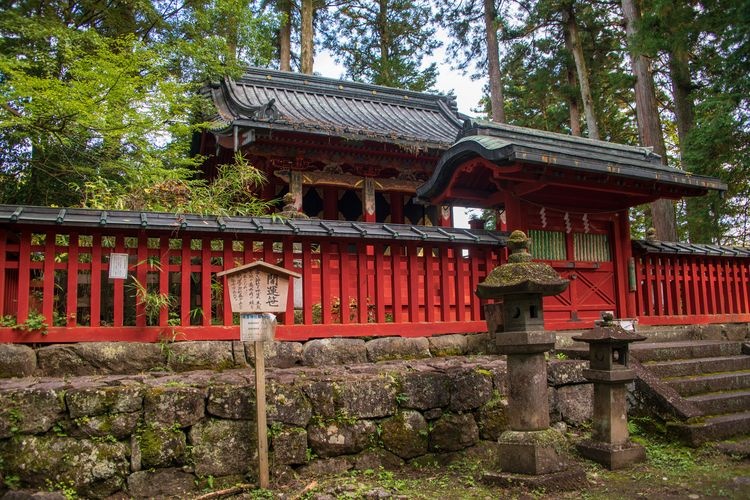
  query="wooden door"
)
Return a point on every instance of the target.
[{"x": 586, "y": 260}]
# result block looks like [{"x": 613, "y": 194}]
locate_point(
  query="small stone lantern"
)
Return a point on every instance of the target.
[
  {"x": 609, "y": 371},
  {"x": 531, "y": 453}
]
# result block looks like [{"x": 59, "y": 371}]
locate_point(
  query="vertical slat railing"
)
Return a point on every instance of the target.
[
  {"x": 413, "y": 280},
  {"x": 119, "y": 286},
  {"x": 363, "y": 277},
  {"x": 3, "y": 257},
  {"x": 185, "y": 279},
  {"x": 387, "y": 281},
  {"x": 164, "y": 255},
  {"x": 71, "y": 305},
  {"x": 396, "y": 277},
  {"x": 696, "y": 286},
  {"x": 429, "y": 284}
]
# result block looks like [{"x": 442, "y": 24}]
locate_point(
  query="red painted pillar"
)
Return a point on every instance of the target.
[
  {"x": 623, "y": 257},
  {"x": 397, "y": 208},
  {"x": 513, "y": 216},
  {"x": 330, "y": 203}
]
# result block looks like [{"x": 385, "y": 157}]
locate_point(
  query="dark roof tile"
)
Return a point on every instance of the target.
[{"x": 272, "y": 99}]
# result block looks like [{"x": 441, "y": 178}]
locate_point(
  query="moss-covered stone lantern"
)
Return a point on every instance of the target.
[
  {"x": 609, "y": 371},
  {"x": 521, "y": 284},
  {"x": 531, "y": 453}
]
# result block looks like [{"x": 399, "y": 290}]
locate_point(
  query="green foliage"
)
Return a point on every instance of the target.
[
  {"x": 98, "y": 99},
  {"x": 35, "y": 322},
  {"x": 384, "y": 42}
]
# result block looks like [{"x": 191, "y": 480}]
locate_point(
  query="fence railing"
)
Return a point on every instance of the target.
[
  {"x": 688, "y": 284},
  {"x": 357, "y": 278}
]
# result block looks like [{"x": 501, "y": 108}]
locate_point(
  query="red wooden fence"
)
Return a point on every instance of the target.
[
  {"x": 358, "y": 279},
  {"x": 350, "y": 286},
  {"x": 677, "y": 286}
]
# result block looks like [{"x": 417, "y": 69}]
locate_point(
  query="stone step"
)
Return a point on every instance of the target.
[
  {"x": 712, "y": 428},
  {"x": 685, "y": 367},
  {"x": 715, "y": 382},
  {"x": 668, "y": 351},
  {"x": 716, "y": 403}
]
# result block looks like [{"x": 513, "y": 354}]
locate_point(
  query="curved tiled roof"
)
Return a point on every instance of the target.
[
  {"x": 502, "y": 143},
  {"x": 281, "y": 100}
]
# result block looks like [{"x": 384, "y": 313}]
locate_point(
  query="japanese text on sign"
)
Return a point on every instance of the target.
[{"x": 256, "y": 291}]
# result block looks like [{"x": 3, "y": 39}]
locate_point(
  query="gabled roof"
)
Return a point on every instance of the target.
[
  {"x": 280, "y": 100},
  {"x": 502, "y": 144}
]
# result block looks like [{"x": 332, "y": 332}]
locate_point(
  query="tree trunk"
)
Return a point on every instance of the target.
[
  {"x": 285, "y": 36},
  {"x": 684, "y": 110},
  {"x": 571, "y": 29},
  {"x": 573, "y": 108},
  {"x": 382, "y": 28},
  {"x": 684, "y": 107},
  {"x": 493, "y": 63},
  {"x": 307, "y": 50},
  {"x": 649, "y": 124}
]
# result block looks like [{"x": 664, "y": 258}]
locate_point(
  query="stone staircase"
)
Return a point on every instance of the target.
[
  {"x": 700, "y": 387},
  {"x": 711, "y": 379}
]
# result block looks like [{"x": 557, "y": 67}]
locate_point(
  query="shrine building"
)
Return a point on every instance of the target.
[{"x": 358, "y": 152}]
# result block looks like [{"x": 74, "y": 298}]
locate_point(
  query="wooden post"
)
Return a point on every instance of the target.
[
  {"x": 252, "y": 288},
  {"x": 260, "y": 406}
]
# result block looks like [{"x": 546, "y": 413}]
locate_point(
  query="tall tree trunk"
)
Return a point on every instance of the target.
[
  {"x": 307, "y": 49},
  {"x": 684, "y": 110},
  {"x": 382, "y": 27},
  {"x": 285, "y": 36},
  {"x": 649, "y": 124},
  {"x": 493, "y": 63},
  {"x": 684, "y": 107},
  {"x": 574, "y": 110},
  {"x": 571, "y": 29}
]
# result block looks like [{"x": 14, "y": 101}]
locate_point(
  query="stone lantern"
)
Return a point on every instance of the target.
[
  {"x": 531, "y": 453},
  {"x": 609, "y": 371}
]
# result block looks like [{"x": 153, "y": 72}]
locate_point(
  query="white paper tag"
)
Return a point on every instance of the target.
[{"x": 118, "y": 266}]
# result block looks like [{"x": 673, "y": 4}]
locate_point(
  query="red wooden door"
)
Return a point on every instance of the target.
[{"x": 586, "y": 260}]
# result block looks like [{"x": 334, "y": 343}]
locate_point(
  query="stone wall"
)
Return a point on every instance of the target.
[
  {"x": 104, "y": 358},
  {"x": 161, "y": 433}
]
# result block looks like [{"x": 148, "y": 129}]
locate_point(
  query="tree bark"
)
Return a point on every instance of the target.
[
  {"x": 571, "y": 29},
  {"x": 285, "y": 36},
  {"x": 382, "y": 27},
  {"x": 649, "y": 124},
  {"x": 573, "y": 109},
  {"x": 493, "y": 63},
  {"x": 307, "y": 49},
  {"x": 684, "y": 110},
  {"x": 684, "y": 107}
]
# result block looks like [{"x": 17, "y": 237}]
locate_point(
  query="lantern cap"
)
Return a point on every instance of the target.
[
  {"x": 261, "y": 266},
  {"x": 520, "y": 275},
  {"x": 606, "y": 331}
]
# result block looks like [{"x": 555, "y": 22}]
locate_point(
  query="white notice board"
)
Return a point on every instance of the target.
[{"x": 118, "y": 266}]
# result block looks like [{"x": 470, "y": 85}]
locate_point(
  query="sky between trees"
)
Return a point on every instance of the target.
[{"x": 99, "y": 99}]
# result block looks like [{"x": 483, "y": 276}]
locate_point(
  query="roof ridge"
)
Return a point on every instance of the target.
[{"x": 477, "y": 123}]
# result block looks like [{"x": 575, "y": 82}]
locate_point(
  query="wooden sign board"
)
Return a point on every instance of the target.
[{"x": 258, "y": 287}]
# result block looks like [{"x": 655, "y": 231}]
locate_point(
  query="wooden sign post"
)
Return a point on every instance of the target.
[{"x": 255, "y": 291}]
